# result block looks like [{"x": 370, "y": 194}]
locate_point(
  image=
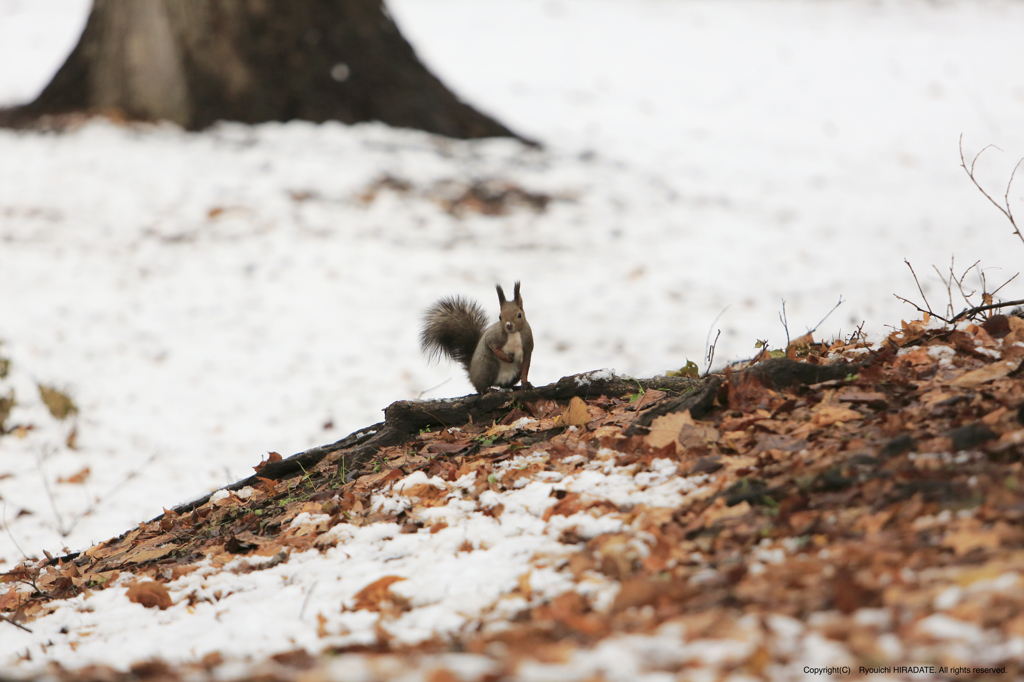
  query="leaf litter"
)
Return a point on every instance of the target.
[{"x": 864, "y": 521}]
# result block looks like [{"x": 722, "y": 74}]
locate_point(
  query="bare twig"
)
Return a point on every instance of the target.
[
  {"x": 922, "y": 310},
  {"x": 784, "y": 321},
  {"x": 762, "y": 352},
  {"x": 858, "y": 333},
  {"x": 980, "y": 309},
  {"x": 707, "y": 339},
  {"x": 1004, "y": 284},
  {"x": 970, "y": 312},
  {"x": 40, "y": 458},
  {"x": 949, "y": 290},
  {"x": 305, "y": 602},
  {"x": 17, "y": 625},
  {"x": 959, "y": 282},
  {"x": 130, "y": 476},
  {"x": 710, "y": 357},
  {"x": 964, "y": 314},
  {"x": 432, "y": 388},
  {"x": 1005, "y": 209},
  {"x": 10, "y": 534},
  {"x": 918, "y": 283},
  {"x": 811, "y": 331}
]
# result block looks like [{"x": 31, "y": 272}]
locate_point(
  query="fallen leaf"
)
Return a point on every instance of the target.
[
  {"x": 296, "y": 658},
  {"x": 576, "y": 414},
  {"x": 441, "y": 675},
  {"x": 567, "y": 506},
  {"x": 649, "y": 397},
  {"x": 59, "y": 403},
  {"x": 665, "y": 429},
  {"x": 150, "y": 594},
  {"x": 694, "y": 434},
  {"x": 802, "y": 341},
  {"x": 910, "y": 331},
  {"x": 373, "y": 595},
  {"x": 852, "y": 394},
  {"x": 642, "y": 590},
  {"x": 236, "y": 546},
  {"x": 826, "y": 415},
  {"x": 1016, "y": 334},
  {"x": 142, "y": 554},
  {"x": 524, "y": 585},
  {"x": 681, "y": 428},
  {"x": 977, "y": 377},
  {"x": 719, "y": 510},
  {"x": 966, "y": 540},
  {"x": 321, "y": 625},
  {"x": 913, "y": 358},
  {"x": 79, "y": 477},
  {"x": 498, "y": 430},
  {"x": 271, "y": 457}
]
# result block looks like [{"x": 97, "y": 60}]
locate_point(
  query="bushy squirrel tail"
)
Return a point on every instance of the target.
[{"x": 452, "y": 327}]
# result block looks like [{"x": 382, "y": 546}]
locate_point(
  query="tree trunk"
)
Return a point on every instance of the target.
[{"x": 196, "y": 62}]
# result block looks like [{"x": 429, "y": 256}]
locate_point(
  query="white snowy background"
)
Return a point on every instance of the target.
[{"x": 208, "y": 297}]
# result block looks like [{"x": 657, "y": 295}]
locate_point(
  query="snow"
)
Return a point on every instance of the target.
[{"x": 208, "y": 298}]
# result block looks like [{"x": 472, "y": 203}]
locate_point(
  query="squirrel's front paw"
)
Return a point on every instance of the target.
[{"x": 526, "y": 385}]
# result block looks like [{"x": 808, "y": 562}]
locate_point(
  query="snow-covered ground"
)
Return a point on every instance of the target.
[{"x": 206, "y": 298}]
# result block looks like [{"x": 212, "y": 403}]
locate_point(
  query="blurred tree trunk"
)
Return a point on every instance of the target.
[{"x": 195, "y": 62}]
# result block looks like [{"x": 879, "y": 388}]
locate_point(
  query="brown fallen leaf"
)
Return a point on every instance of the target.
[
  {"x": 1016, "y": 334},
  {"x": 965, "y": 540},
  {"x": 321, "y": 625},
  {"x": 680, "y": 428},
  {"x": 910, "y": 331},
  {"x": 376, "y": 593},
  {"x": 576, "y": 414},
  {"x": 694, "y": 434},
  {"x": 79, "y": 477},
  {"x": 665, "y": 429},
  {"x": 567, "y": 506},
  {"x": 650, "y": 396},
  {"x": 641, "y": 591},
  {"x": 271, "y": 457},
  {"x": 141, "y": 554},
  {"x": 299, "y": 659},
  {"x": 917, "y": 356},
  {"x": 801, "y": 341},
  {"x": 150, "y": 594},
  {"x": 983, "y": 375},
  {"x": 853, "y": 394},
  {"x": 719, "y": 510},
  {"x": 441, "y": 675},
  {"x": 831, "y": 414}
]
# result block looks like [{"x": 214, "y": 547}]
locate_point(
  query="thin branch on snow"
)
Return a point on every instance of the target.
[
  {"x": 982, "y": 308},
  {"x": 15, "y": 624},
  {"x": 827, "y": 315},
  {"x": 710, "y": 357},
  {"x": 10, "y": 534},
  {"x": 41, "y": 457},
  {"x": 921, "y": 290},
  {"x": 920, "y": 309},
  {"x": 1005, "y": 209},
  {"x": 784, "y": 321}
]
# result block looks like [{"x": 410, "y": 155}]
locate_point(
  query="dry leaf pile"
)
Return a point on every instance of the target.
[
  {"x": 489, "y": 197},
  {"x": 869, "y": 521}
]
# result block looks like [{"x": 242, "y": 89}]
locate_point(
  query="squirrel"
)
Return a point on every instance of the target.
[{"x": 498, "y": 355}]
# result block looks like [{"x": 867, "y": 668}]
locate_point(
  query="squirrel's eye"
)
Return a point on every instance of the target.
[{"x": 519, "y": 315}]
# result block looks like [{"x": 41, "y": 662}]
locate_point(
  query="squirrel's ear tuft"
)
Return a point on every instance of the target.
[
  {"x": 515, "y": 295},
  {"x": 501, "y": 294}
]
